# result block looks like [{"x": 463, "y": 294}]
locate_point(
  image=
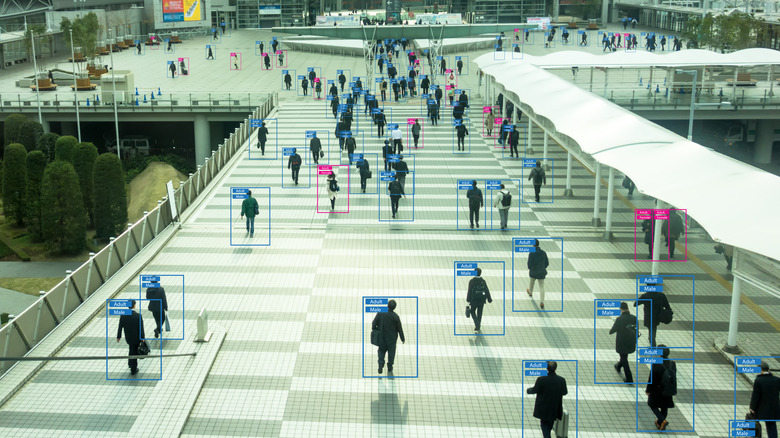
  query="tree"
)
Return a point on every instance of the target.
[
  {"x": 29, "y": 134},
  {"x": 11, "y": 128},
  {"x": 63, "y": 148},
  {"x": 36, "y": 164},
  {"x": 14, "y": 182},
  {"x": 83, "y": 159},
  {"x": 85, "y": 33},
  {"x": 46, "y": 144},
  {"x": 108, "y": 187},
  {"x": 63, "y": 217},
  {"x": 38, "y": 33}
]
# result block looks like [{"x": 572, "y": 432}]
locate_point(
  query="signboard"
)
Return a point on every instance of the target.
[
  {"x": 270, "y": 10},
  {"x": 173, "y": 10},
  {"x": 540, "y": 22}
]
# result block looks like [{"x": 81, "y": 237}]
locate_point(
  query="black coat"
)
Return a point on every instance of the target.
[
  {"x": 262, "y": 133},
  {"x": 315, "y": 145},
  {"x": 389, "y": 324},
  {"x": 439, "y": 93},
  {"x": 764, "y": 400},
  {"x": 294, "y": 161},
  {"x": 657, "y": 302},
  {"x": 350, "y": 144},
  {"x": 133, "y": 325},
  {"x": 364, "y": 169},
  {"x": 655, "y": 396},
  {"x": 475, "y": 198},
  {"x": 473, "y": 296},
  {"x": 537, "y": 264},
  {"x": 156, "y": 293},
  {"x": 549, "y": 392},
  {"x": 625, "y": 342}
]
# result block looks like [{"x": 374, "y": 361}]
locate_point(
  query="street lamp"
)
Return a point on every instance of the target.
[
  {"x": 75, "y": 85},
  {"x": 113, "y": 81},
  {"x": 694, "y": 105}
]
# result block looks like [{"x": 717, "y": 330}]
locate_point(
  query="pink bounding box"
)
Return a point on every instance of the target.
[{"x": 323, "y": 171}]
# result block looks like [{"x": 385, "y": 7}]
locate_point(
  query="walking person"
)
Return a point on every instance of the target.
[
  {"x": 439, "y": 95},
  {"x": 461, "y": 132},
  {"x": 478, "y": 293},
  {"x": 305, "y": 85},
  {"x": 287, "y": 81},
  {"x": 315, "y": 146},
  {"x": 504, "y": 127},
  {"x": 262, "y": 137},
  {"x": 365, "y": 173},
  {"x": 294, "y": 163},
  {"x": 549, "y": 391},
  {"x": 172, "y": 68},
  {"x": 459, "y": 64},
  {"x": 654, "y": 303},
  {"x": 387, "y": 150},
  {"x": 490, "y": 120},
  {"x": 502, "y": 203},
  {"x": 267, "y": 61},
  {"x": 397, "y": 137},
  {"x": 380, "y": 123},
  {"x": 661, "y": 392},
  {"x": 401, "y": 170},
  {"x": 433, "y": 112},
  {"x": 158, "y": 305},
  {"x": 334, "y": 106},
  {"x": 647, "y": 228},
  {"x": 250, "y": 209},
  {"x": 133, "y": 325},
  {"x": 514, "y": 140},
  {"x": 396, "y": 190},
  {"x": 424, "y": 84},
  {"x": 416, "y": 131},
  {"x": 537, "y": 271},
  {"x": 350, "y": 144},
  {"x": 625, "y": 340},
  {"x": 383, "y": 89},
  {"x": 389, "y": 325},
  {"x": 764, "y": 402},
  {"x": 538, "y": 176},
  {"x": 332, "y": 187},
  {"x": 672, "y": 229},
  {"x": 474, "y": 196},
  {"x": 629, "y": 184}
]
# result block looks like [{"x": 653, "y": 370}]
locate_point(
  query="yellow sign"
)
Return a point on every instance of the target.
[{"x": 192, "y": 10}]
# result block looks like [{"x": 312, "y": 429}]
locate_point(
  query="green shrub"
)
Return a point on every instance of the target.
[
  {"x": 11, "y": 127},
  {"x": 14, "y": 182},
  {"x": 29, "y": 134},
  {"x": 36, "y": 164},
  {"x": 108, "y": 188},
  {"x": 83, "y": 158},
  {"x": 63, "y": 212},
  {"x": 63, "y": 147},
  {"x": 46, "y": 143}
]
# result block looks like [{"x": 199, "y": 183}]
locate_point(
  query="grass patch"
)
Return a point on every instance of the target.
[{"x": 30, "y": 286}]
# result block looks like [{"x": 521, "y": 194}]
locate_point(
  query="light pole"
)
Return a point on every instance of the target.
[
  {"x": 35, "y": 76},
  {"x": 113, "y": 81},
  {"x": 694, "y": 105},
  {"x": 75, "y": 85}
]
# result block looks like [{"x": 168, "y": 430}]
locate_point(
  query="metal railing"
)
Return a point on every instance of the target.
[{"x": 25, "y": 330}]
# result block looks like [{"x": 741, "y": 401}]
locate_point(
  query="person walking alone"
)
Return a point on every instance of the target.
[
  {"x": 133, "y": 325},
  {"x": 389, "y": 325},
  {"x": 502, "y": 203},
  {"x": 661, "y": 392},
  {"x": 294, "y": 163},
  {"x": 158, "y": 305},
  {"x": 549, "y": 391},
  {"x": 315, "y": 146},
  {"x": 478, "y": 293},
  {"x": 625, "y": 340},
  {"x": 538, "y": 176},
  {"x": 262, "y": 138},
  {"x": 537, "y": 271},
  {"x": 332, "y": 187},
  {"x": 250, "y": 209},
  {"x": 396, "y": 190},
  {"x": 764, "y": 402},
  {"x": 474, "y": 196}
]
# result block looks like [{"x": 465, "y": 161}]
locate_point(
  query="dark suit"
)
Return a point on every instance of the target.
[
  {"x": 133, "y": 325},
  {"x": 476, "y": 298},
  {"x": 157, "y": 307},
  {"x": 765, "y": 401},
  {"x": 625, "y": 341},
  {"x": 656, "y": 400},
  {"x": 474, "y": 196},
  {"x": 652, "y": 308},
  {"x": 548, "y": 406},
  {"x": 390, "y": 326}
]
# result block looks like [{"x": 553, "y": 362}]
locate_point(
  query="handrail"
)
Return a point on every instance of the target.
[{"x": 33, "y": 324}]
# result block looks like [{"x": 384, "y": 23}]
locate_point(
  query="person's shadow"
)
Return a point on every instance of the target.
[
  {"x": 490, "y": 366},
  {"x": 555, "y": 335},
  {"x": 387, "y": 409}
]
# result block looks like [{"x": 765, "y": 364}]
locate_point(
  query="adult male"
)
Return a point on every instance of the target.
[
  {"x": 401, "y": 170},
  {"x": 764, "y": 403},
  {"x": 478, "y": 293},
  {"x": 433, "y": 112},
  {"x": 397, "y": 137},
  {"x": 537, "y": 270},
  {"x": 266, "y": 61},
  {"x": 625, "y": 340},
  {"x": 461, "y": 133},
  {"x": 294, "y": 163},
  {"x": 133, "y": 325},
  {"x": 460, "y": 66},
  {"x": 315, "y": 146},
  {"x": 158, "y": 305},
  {"x": 350, "y": 144},
  {"x": 172, "y": 68},
  {"x": 365, "y": 173},
  {"x": 502, "y": 203},
  {"x": 305, "y": 85},
  {"x": 538, "y": 176},
  {"x": 250, "y": 208},
  {"x": 654, "y": 303},
  {"x": 333, "y": 91},
  {"x": 275, "y": 45},
  {"x": 343, "y": 80},
  {"x": 514, "y": 140},
  {"x": 416, "y": 131},
  {"x": 262, "y": 137},
  {"x": 389, "y": 325},
  {"x": 504, "y": 131},
  {"x": 396, "y": 190},
  {"x": 443, "y": 64},
  {"x": 474, "y": 196},
  {"x": 287, "y": 81},
  {"x": 334, "y": 106},
  {"x": 424, "y": 84},
  {"x": 439, "y": 95},
  {"x": 341, "y": 127},
  {"x": 387, "y": 150},
  {"x": 380, "y": 121},
  {"x": 549, "y": 391}
]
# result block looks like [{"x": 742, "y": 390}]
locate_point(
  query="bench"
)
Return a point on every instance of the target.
[
  {"x": 84, "y": 85},
  {"x": 743, "y": 80},
  {"x": 572, "y": 25},
  {"x": 44, "y": 85},
  {"x": 593, "y": 26},
  {"x": 79, "y": 57}
]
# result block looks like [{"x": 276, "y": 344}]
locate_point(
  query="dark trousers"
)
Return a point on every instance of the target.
[
  {"x": 384, "y": 95},
  {"x": 133, "y": 363},
  {"x": 652, "y": 332},
  {"x": 295, "y": 171},
  {"x": 380, "y": 130},
  {"x": 304, "y": 90},
  {"x": 394, "y": 206},
  {"x": 315, "y": 156},
  {"x": 363, "y": 180},
  {"x": 536, "y": 191},
  {"x": 513, "y": 150},
  {"x": 461, "y": 143},
  {"x": 390, "y": 350},
  {"x": 158, "y": 316},
  {"x": 474, "y": 215},
  {"x": 547, "y": 427},
  {"x": 341, "y": 143},
  {"x": 771, "y": 429},
  {"x": 262, "y": 146},
  {"x": 476, "y": 314},
  {"x": 623, "y": 363},
  {"x": 661, "y": 413},
  {"x": 416, "y": 139},
  {"x": 387, "y": 166},
  {"x": 670, "y": 241},
  {"x": 397, "y": 146}
]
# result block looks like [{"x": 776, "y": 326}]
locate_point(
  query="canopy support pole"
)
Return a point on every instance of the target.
[
  {"x": 657, "y": 238},
  {"x": 596, "y": 222},
  {"x": 568, "y": 192},
  {"x": 544, "y": 151},
  {"x": 610, "y": 195},
  {"x": 530, "y": 148},
  {"x": 736, "y": 296}
]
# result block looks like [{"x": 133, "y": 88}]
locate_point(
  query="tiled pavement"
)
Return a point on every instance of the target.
[{"x": 292, "y": 363}]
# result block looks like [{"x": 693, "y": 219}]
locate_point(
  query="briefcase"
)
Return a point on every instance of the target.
[
  {"x": 143, "y": 348},
  {"x": 561, "y": 426},
  {"x": 375, "y": 334},
  {"x": 468, "y": 312}
]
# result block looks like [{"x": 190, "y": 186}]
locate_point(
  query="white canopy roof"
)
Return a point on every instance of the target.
[
  {"x": 730, "y": 199},
  {"x": 642, "y": 58}
]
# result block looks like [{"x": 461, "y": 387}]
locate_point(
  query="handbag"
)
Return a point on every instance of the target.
[
  {"x": 751, "y": 417},
  {"x": 322, "y": 154},
  {"x": 369, "y": 175},
  {"x": 468, "y": 312},
  {"x": 167, "y": 323},
  {"x": 143, "y": 348},
  {"x": 665, "y": 315},
  {"x": 375, "y": 337}
]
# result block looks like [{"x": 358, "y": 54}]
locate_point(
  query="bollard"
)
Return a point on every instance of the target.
[{"x": 203, "y": 333}]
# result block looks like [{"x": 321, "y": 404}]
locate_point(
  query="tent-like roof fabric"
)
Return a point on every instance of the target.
[
  {"x": 687, "y": 58},
  {"x": 727, "y": 197}
]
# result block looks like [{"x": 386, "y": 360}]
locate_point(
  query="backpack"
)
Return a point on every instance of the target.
[
  {"x": 669, "y": 380},
  {"x": 480, "y": 291},
  {"x": 506, "y": 200},
  {"x": 333, "y": 185},
  {"x": 538, "y": 175}
]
